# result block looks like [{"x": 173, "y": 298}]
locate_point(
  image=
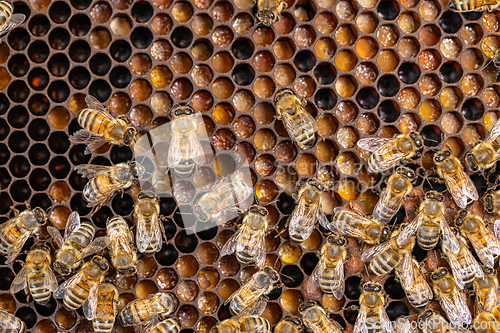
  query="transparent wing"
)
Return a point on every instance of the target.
[
  {"x": 50, "y": 280},
  {"x": 450, "y": 241},
  {"x": 411, "y": 229},
  {"x": 461, "y": 307},
  {"x": 303, "y": 218},
  {"x": 496, "y": 228},
  {"x": 407, "y": 273},
  {"x": 346, "y": 229},
  {"x": 260, "y": 260},
  {"x": 487, "y": 249},
  {"x": 96, "y": 246},
  {"x": 72, "y": 225},
  {"x": 90, "y": 305},
  {"x": 360, "y": 325},
  {"x": 463, "y": 190},
  {"x": 197, "y": 154},
  {"x": 303, "y": 121},
  {"x": 71, "y": 282},
  {"x": 323, "y": 220},
  {"x": 494, "y": 132},
  {"x": 144, "y": 236},
  {"x": 375, "y": 251},
  {"x": 19, "y": 282},
  {"x": 255, "y": 309},
  {"x": 56, "y": 236},
  {"x": 95, "y": 105},
  {"x": 13, "y": 21},
  {"x": 247, "y": 289},
  {"x": 338, "y": 272},
  {"x": 232, "y": 242},
  {"x": 385, "y": 323},
  {"x": 92, "y": 140},
  {"x": 17, "y": 247},
  {"x": 318, "y": 271},
  {"x": 9, "y": 321},
  {"x": 174, "y": 156},
  {"x": 375, "y": 144},
  {"x": 460, "y": 271},
  {"x": 388, "y": 200},
  {"x": 91, "y": 170},
  {"x": 491, "y": 299}
]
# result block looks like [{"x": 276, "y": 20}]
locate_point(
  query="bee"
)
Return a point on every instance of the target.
[
  {"x": 107, "y": 300},
  {"x": 473, "y": 5},
  {"x": 82, "y": 289},
  {"x": 486, "y": 287},
  {"x": 100, "y": 127},
  {"x": 269, "y": 10},
  {"x": 432, "y": 322},
  {"x": 449, "y": 296},
  {"x": 307, "y": 212},
  {"x": 417, "y": 290},
  {"x": 9, "y": 20},
  {"x": 329, "y": 272},
  {"x": 391, "y": 199},
  {"x": 372, "y": 316},
  {"x": 428, "y": 224},
  {"x": 353, "y": 223},
  {"x": 106, "y": 180},
  {"x": 16, "y": 231},
  {"x": 36, "y": 277},
  {"x": 386, "y": 153},
  {"x": 249, "y": 241},
  {"x": 121, "y": 243},
  {"x": 486, "y": 245},
  {"x": 299, "y": 124},
  {"x": 403, "y": 325},
  {"x": 491, "y": 202},
  {"x": 76, "y": 244},
  {"x": 386, "y": 256},
  {"x": 243, "y": 324},
  {"x": 457, "y": 181},
  {"x": 10, "y": 323},
  {"x": 289, "y": 324},
  {"x": 149, "y": 227},
  {"x": 485, "y": 154},
  {"x": 251, "y": 296},
  {"x": 140, "y": 311},
  {"x": 316, "y": 319},
  {"x": 169, "y": 325}
]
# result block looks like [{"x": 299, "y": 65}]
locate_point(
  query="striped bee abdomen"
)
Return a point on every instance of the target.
[
  {"x": 83, "y": 236},
  {"x": 328, "y": 281},
  {"x": 98, "y": 188},
  {"x": 92, "y": 121},
  {"x": 40, "y": 293},
  {"x": 254, "y": 324},
  {"x": 9, "y": 237},
  {"x": 385, "y": 262},
  {"x": 76, "y": 296},
  {"x": 428, "y": 236},
  {"x": 167, "y": 326},
  {"x": 6, "y": 11}
]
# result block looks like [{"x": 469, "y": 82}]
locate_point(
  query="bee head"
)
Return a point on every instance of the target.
[
  {"x": 307, "y": 305},
  {"x": 183, "y": 111},
  {"x": 434, "y": 195},
  {"x": 272, "y": 274},
  {"x": 60, "y": 269},
  {"x": 316, "y": 183},
  {"x": 146, "y": 195},
  {"x": 460, "y": 217},
  {"x": 259, "y": 210},
  {"x": 372, "y": 286},
  {"x": 282, "y": 93},
  {"x": 424, "y": 315},
  {"x": 127, "y": 272},
  {"x": 418, "y": 139},
  {"x": 406, "y": 172},
  {"x": 40, "y": 215},
  {"x": 441, "y": 156},
  {"x": 438, "y": 273},
  {"x": 266, "y": 17},
  {"x": 199, "y": 214},
  {"x": 487, "y": 270},
  {"x": 470, "y": 162},
  {"x": 137, "y": 169},
  {"x": 101, "y": 262},
  {"x": 294, "y": 320},
  {"x": 42, "y": 247},
  {"x": 386, "y": 233},
  {"x": 488, "y": 203},
  {"x": 336, "y": 239}
]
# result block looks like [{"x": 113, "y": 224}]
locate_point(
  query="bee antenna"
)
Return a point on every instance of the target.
[
  {"x": 427, "y": 179},
  {"x": 146, "y": 123},
  {"x": 288, "y": 277}
]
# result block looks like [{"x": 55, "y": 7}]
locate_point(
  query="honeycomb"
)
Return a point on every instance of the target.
[{"x": 367, "y": 68}]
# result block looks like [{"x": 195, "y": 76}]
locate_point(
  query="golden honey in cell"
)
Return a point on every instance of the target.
[
  {"x": 432, "y": 322},
  {"x": 121, "y": 244},
  {"x": 399, "y": 185},
  {"x": 9, "y": 20},
  {"x": 408, "y": 273},
  {"x": 150, "y": 229},
  {"x": 268, "y": 11},
  {"x": 169, "y": 325},
  {"x": 249, "y": 241},
  {"x": 16, "y": 231},
  {"x": 314, "y": 317},
  {"x": 140, "y": 311},
  {"x": 10, "y": 323},
  {"x": 353, "y": 223},
  {"x": 289, "y": 324},
  {"x": 36, "y": 277},
  {"x": 372, "y": 316},
  {"x": 486, "y": 153},
  {"x": 473, "y": 5},
  {"x": 387, "y": 153},
  {"x": 100, "y": 127},
  {"x": 451, "y": 299},
  {"x": 299, "y": 124},
  {"x": 77, "y": 244},
  {"x": 243, "y": 324},
  {"x": 106, "y": 180},
  {"x": 82, "y": 288},
  {"x": 107, "y": 301}
]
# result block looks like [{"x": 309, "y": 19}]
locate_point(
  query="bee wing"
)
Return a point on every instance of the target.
[
  {"x": 338, "y": 272},
  {"x": 146, "y": 236},
  {"x": 92, "y": 140},
  {"x": 302, "y": 216},
  {"x": 90, "y": 170},
  {"x": 96, "y": 246},
  {"x": 450, "y": 241},
  {"x": 385, "y": 322},
  {"x": 71, "y": 282},
  {"x": 486, "y": 250},
  {"x": 255, "y": 309},
  {"x": 381, "y": 147},
  {"x": 95, "y": 105},
  {"x": 348, "y": 230},
  {"x": 56, "y": 236},
  {"x": 232, "y": 242},
  {"x": 374, "y": 144},
  {"x": 260, "y": 260},
  {"x": 19, "y": 282},
  {"x": 463, "y": 190},
  {"x": 323, "y": 220},
  {"x": 496, "y": 228},
  {"x": 17, "y": 247},
  {"x": 247, "y": 290},
  {"x": 491, "y": 299},
  {"x": 198, "y": 154},
  {"x": 385, "y": 200},
  {"x": 8, "y": 322},
  {"x": 90, "y": 305},
  {"x": 72, "y": 225},
  {"x": 461, "y": 307},
  {"x": 12, "y": 22},
  {"x": 407, "y": 275},
  {"x": 360, "y": 325},
  {"x": 50, "y": 280},
  {"x": 460, "y": 271},
  {"x": 375, "y": 251},
  {"x": 494, "y": 132},
  {"x": 174, "y": 156},
  {"x": 411, "y": 229},
  {"x": 303, "y": 122}
]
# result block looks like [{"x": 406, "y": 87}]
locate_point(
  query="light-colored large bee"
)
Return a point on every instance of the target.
[
  {"x": 249, "y": 241},
  {"x": 485, "y": 154},
  {"x": 10, "y": 323},
  {"x": 299, "y": 124},
  {"x": 392, "y": 197},
  {"x": 433, "y": 322},
  {"x": 457, "y": 181},
  {"x": 353, "y": 223},
  {"x": 169, "y": 325},
  {"x": 463, "y": 264},
  {"x": 289, "y": 324},
  {"x": 121, "y": 243},
  {"x": 252, "y": 295},
  {"x": 473, "y": 5},
  {"x": 329, "y": 272},
  {"x": 9, "y": 20},
  {"x": 386, "y": 153},
  {"x": 428, "y": 224},
  {"x": 316, "y": 319},
  {"x": 106, "y": 180},
  {"x": 486, "y": 287},
  {"x": 486, "y": 245},
  {"x": 36, "y": 277},
  {"x": 243, "y": 324},
  {"x": 385, "y": 257},
  {"x": 76, "y": 244},
  {"x": 82, "y": 289},
  {"x": 149, "y": 227},
  {"x": 372, "y": 316},
  {"x": 140, "y": 311},
  {"x": 417, "y": 290},
  {"x": 450, "y": 297},
  {"x": 307, "y": 212},
  {"x": 16, "y": 231},
  {"x": 107, "y": 301},
  {"x": 268, "y": 11},
  {"x": 100, "y": 127}
]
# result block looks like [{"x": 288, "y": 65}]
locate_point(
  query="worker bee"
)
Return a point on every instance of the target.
[
  {"x": 457, "y": 181},
  {"x": 249, "y": 241},
  {"x": 329, "y": 272},
  {"x": 372, "y": 316},
  {"x": 10, "y": 323},
  {"x": 299, "y": 124},
  {"x": 307, "y": 212},
  {"x": 473, "y": 5},
  {"x": 484, "y": 288},
  {"x": 251, "y": 296},
  {"x": 149, "y": 227},
  {"x": 36, "y": 277},
  {"x": 16, "y": 231},
  {"x": 417, "y": 290},
  {"x": 82, "y": 288},
  {"x": 140, "y": 311},
  {"x": 121, "y": 243},
  {"x": 169, "y": 325},
  {"x": 289, "y": 324},
  {"x": 392, "y": 197},
  {"x": 106, "y": 180},
  {"x": 76, "y": 244},
  {"x": 485, "y": 154},
  {"x": 353, "y": 223},
  {"x": 316, "y": 319},
  {"x": 9, "y": 20},
  {"x": 243, "y": 324},
  {"x": 268, "y": 10},
  {"x": 486, "y": 245},
  {"x": 386, "y": 256},
  {"x": 449, "y": 296},
  {"x": 107, "y": 300},
  {"x": 386, "y": 153},
  {"x": 432, "y": 322},
  {"x": 429, "y": 222},
  {"x": 404, "y": 325},
  {"x": 491, "y": 202}
]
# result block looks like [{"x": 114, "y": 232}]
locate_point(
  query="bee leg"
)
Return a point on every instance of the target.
[
  {"x": 15, "y": 211},
  {"x": 162, "y": 228},
  {"x": 436, "y": 179},
  {"x": 26, "y": 203},
  {"x": 20, "y": 262}
]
